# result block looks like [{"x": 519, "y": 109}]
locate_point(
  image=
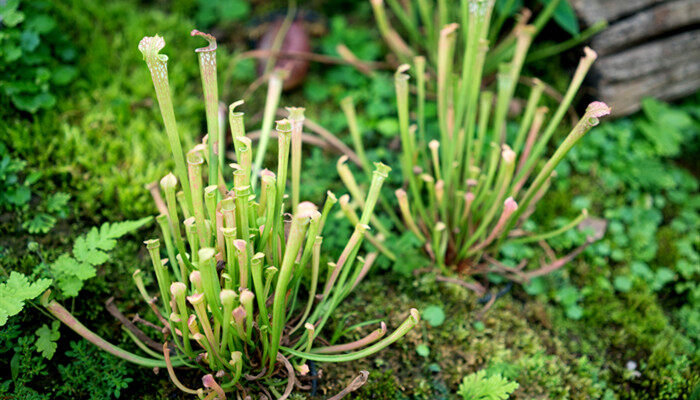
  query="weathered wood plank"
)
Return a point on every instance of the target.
[
  {"x": 678, "y": 81},
  {"x": 647, "y": 24},
  {"x": 650, "y": 58},
  {"x": 592, "y": 11}
]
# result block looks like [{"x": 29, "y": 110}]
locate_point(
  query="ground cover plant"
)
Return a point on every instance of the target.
[
  {"x": 462, "y": 186},
  {"x": 242, "y": 254},
  {"x": 37, "y": 57}
]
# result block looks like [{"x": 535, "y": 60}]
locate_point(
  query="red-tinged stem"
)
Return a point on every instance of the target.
[
  {"x": 67, "y": 318},
  {"x": 171, "y": 371},
  {"x": 369, "y": 339},
  {"x": 210, "y": 383}
]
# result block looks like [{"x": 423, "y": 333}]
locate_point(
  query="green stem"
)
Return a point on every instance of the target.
[
  {"x": 274, "y": 91},
  {"x": 406, "y": 326},
  {"x": 158, "y": 66},
  {"x": 207, "y": 68}
]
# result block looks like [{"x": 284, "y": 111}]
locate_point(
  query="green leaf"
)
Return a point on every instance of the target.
[
  {"x": 423, "y": 350},
  {"x": 87, "y": 248},
  {"x": 57, "y": 203},
  {"x": 535, "y": 287},
  {"x": 10, "y": 15},
  {"x": 565, "y": 16},
  {"x": 642, "y": 270},
  {"x": 574, "y": 312},
  {"x": 388, "y": 126},
  {"x": 41, "y": 23},
  {"x": 63, "y": 74},
  {"x": 478, "y": 386},
  {"x": 567, "y": 296},
  {"x": 89, "y": 251},
  {"x": 29, "y": 40},
  {"x": 46, "y": 339},
  {"x": 16, "y": 291},
  {"x": 65, "y": 264},
  {"x": 70, "y": 274},
  {"x": 434, "y": 315},
  {"x": 91, "y": 247},
  {"x": 663, "y": 276},
  {"x": 69, "y": 285},
  {"x": 18, "y": 196},
  {"x": 33, "y": 102},
  {"x": 666, "y": 126},
  {"x": 515, "y": 5},
  {"x": 622, "y": 283},
  {"x": 40, "y": 223}
]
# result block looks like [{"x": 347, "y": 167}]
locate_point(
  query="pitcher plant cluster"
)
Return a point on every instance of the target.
[
  {"x": 241, "y": 294},
  {"x": 468, "y": 186}
]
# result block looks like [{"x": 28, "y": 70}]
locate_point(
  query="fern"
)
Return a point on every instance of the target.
[
  {"x": 16, "y": 291},
  {"x": 91, "y": 248},
  {"x": 89, "y": 251},
  {"x": 46, "y": 339},
  {"x": 478, "y": 386},
  {"x": 69, "y": 272}
]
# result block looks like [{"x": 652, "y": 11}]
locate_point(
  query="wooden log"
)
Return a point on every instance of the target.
[
  {"x": 651, "y": 49},
  {"x": 592, "y": 11},
  {"x": 653, "y": 22},
  {"x": 656, "y": 57},
  {"x": 680, "y": 80}
]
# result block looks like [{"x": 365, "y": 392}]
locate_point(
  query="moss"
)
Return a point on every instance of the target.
[
  {"x": 514, "y": 341},
  {"x": 381, "y": 385},
  {"x": 678, "y": 380},
  {"x": 666, "y": 237}
]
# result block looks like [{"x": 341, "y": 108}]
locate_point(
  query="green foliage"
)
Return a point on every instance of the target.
[
  {"x": 16, "y": 291},
  {"x": 108, "y": 121},
  {"x": 92, "y": 374},
  {"x": 667, "y": 128},
  {"x": 423, "y": 350},
  {"x": 209, "y": 13},
  {"x": 37, "y": 57},
  {"x": 69, "y": 272},
  {"x": 13, "y": 192},
  {"x": 649, "y": 256},
  {"x": 39, "y": 223},
  {"x": 478, "y": 386},
  {"x": 46, "y": 339},
  {"x": 412, "y": 255},
  {"x": 434, "y": 315},
  {"x": 565, "y": 16},
  {"x": 15, "y": 195},
  {"x": 89, "y": 251},
  {"x": 23, "y": 364},
  {"x": 80, "y": 372},
  {"x": 100, "y": 145},
  {"x": 568, "y": 297},
  {"x": 652, "y": 205}
]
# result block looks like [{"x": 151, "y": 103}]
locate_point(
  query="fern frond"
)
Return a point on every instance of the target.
[
  {"x": 16, "y": 291},
  {"x": 92, "y": 247},
  {"x": 89, "y": 251},
  {"x": 478, "y": 386}
]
